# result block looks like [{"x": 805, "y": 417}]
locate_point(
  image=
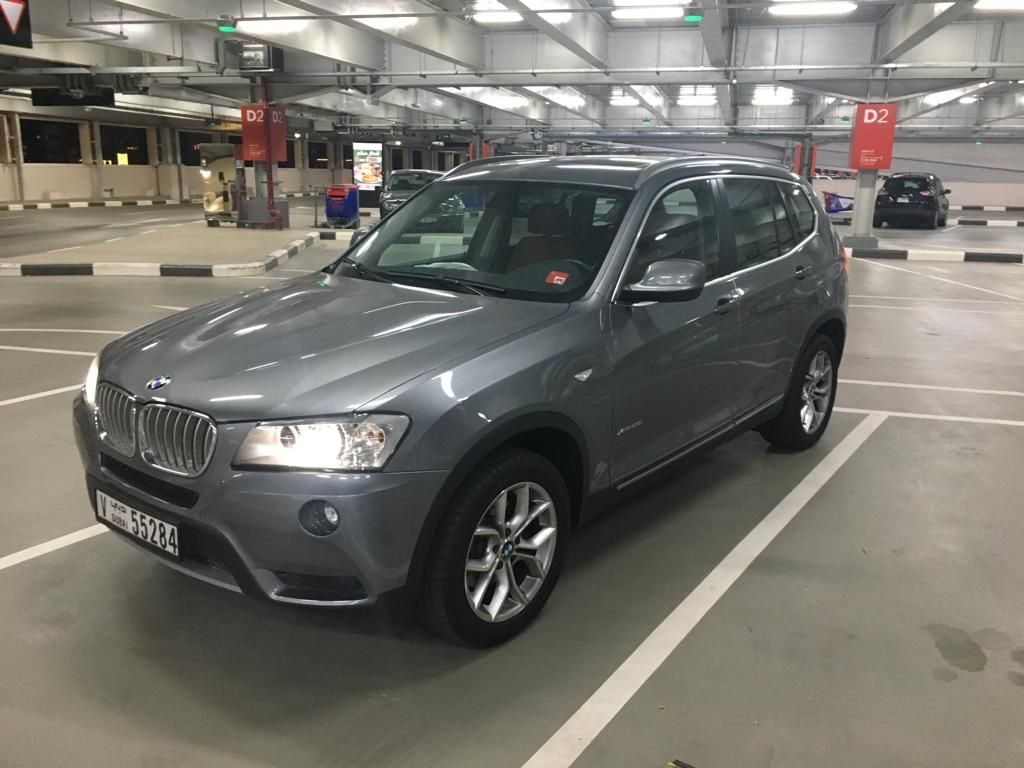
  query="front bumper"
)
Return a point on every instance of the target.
[{"x": 240, "y": 529}]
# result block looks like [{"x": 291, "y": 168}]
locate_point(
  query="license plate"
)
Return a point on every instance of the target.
[
  {"x": 429, "y": 220},
  {"x": 902, "y": 199},
  {"x": 156, "y": 533}
]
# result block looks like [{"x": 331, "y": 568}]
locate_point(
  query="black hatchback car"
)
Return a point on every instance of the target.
[{"x": 912, "y": 198}]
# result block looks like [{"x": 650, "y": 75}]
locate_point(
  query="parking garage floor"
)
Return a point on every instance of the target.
[{"x": 855, "y": 605}]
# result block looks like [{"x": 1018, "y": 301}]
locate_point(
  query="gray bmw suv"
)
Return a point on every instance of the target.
[{"x": 438, "y": 411}]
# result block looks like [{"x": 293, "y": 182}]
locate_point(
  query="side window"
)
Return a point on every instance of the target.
[
  {"x": 800, "y": 207},
  {"x": 760, "y": 223},
  {"x": 681, "y": 225}
]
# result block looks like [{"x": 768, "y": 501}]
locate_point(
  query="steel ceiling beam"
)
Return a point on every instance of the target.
[
  {"x": 712, "y": 31},
  {"x": 584, "y": 34},
  {"x": 907, "y": 26},
  {"x": 446, "y": 37}
]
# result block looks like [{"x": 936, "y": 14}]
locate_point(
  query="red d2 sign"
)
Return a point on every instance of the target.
[
  {"x": 874, "y": 131},
  {"x": 255, "y": 133}
]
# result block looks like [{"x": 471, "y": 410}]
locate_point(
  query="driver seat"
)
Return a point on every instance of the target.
[{"x": 549, "y": 225}]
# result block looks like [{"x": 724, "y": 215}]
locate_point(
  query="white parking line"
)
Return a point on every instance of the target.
[
  {"x": 52, "y": 545},
  {"x": 62, "y": 250},
  {"x": 37, "y": 395},
  {"x": 59, "y": 330},
  {"x": 901, "y": 385},
  {"x": 48, "y": 351},
  {"x": 934, "y": 309},
  {"x": 932, "y": 417},
  {"x": 570, "y": 741},
  {"x": 875, "y": 263},
  {"x": 113, "y": 240},
  {"x": 929, "y": 298},
  {"x": 167, "y": 306},
  {"x": 148, "y": 232}
]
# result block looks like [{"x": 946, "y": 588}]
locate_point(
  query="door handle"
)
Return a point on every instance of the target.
[
  {"x": 726, "y": 304},
  {"x": 801, "y": 271}
]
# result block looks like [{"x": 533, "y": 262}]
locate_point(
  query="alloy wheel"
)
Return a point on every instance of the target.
[
  {"x": 510, "y": 552},
  {"x": 816, "y": 393}
]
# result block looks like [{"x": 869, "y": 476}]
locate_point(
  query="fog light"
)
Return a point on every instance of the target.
[{"x": 319, "y": 518}]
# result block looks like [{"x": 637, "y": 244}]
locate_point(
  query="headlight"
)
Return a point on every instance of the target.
[
  {"x": 357, "y": 443},
  {"x": 91, "y": 379}
]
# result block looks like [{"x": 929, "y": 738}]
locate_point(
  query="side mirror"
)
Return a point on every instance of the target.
[
  {"x": 358, "y": 235},
  {"x": 668, "y": 280},
  {"x": 945, "y": 191}
]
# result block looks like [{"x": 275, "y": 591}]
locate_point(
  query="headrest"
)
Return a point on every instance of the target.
[{"x": 548, "y": 219}]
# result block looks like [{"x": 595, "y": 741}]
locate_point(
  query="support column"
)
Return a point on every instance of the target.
[
  {"x": 94, "y": 143},
  {"x": 863, "y": 212},
  {"x": 19, "y": 157}
]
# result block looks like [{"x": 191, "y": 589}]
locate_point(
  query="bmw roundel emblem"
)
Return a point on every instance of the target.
[{"x": 158, "y": 383}]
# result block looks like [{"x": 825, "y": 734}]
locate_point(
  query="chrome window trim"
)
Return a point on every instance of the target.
[{"x": 732, "y": 275}]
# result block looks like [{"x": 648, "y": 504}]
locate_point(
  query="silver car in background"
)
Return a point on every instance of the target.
[{"x": 438, "y": 411}]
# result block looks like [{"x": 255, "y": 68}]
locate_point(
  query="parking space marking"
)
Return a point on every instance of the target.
[
  {"x": 113, "y": 240},
  {"x": 166, "y": 306},
  {"x": 931, "y": 417},
  {"x": 37, "y": 395},
  {"x": 929, "y": 298},
  {"x": 940, "y": 279},
  {"x": 934, "y": 309},
  {"x": 52, "y": 545},
  {"x": 62, "y": 250},
  {"x": 577, "y": 733},
  {"x": 47, "y": 351},
  {"x": 60, "y": 330},
  {"x": 901, "y": 385}
]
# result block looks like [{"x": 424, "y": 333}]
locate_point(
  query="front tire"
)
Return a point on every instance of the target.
[
  {"x": 807, "y": 409},
  {"x": 498, "y": 551}
]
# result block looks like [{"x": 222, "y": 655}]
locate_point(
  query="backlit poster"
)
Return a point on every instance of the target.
[{"x": 367, "y": 165}]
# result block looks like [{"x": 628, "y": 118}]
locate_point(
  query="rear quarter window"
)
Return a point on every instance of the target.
[{"x": 800, "y": 207}]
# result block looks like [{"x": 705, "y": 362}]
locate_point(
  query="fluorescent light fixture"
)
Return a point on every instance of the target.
[
  {"x": 272, "y": 26},
  {"x": 494, "y": 12},
  {"x": 697, "y": 96},
  {"x": 623, "y": 98},
  {"x": 771, "y": 96},
  {"x": 968, "y": 99},
  {"x": 943, "y": 97},
  {"x": 632, "y": 14},
  {"x": 999, "y": 5},
  {"x": 811, "y": 8}
]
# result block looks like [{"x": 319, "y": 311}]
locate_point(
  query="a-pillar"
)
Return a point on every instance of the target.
[{"x": 863, "y": 212}]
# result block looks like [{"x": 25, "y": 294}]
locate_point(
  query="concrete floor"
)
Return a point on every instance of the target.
[
  {"x": 955, "y": 237},
  {"x": 881, "y": 627}
]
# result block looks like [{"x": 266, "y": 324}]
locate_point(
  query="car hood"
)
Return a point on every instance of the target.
[
  {"x": 402, "y": 194},
  {"x": 313, "y": 346}
]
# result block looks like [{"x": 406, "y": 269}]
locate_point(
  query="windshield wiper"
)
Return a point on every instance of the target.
[
  {"x": 361, "y": 269},
  {"x": 469, "y": 286}
]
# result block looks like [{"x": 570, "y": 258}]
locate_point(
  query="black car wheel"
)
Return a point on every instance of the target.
[
  {"x": 878, "y": 222},
  {"x": 807, "y": 409},
  {"x": 933, "y": 222},
  {"x": 498, "y": 551}
]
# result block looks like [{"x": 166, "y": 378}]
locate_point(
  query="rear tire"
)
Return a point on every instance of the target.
[
  {"x": 464, "y": 554},
  {"x": 807, "y": 409},
  {"x": 878, "y": 222},
  {"x": 943, "y": 220},
  {"x": 933, "y": 223}
]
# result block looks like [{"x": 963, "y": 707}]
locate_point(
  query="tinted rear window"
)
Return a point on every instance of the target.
[
  {"x": 760, "y": 223},
  {"x": 906, "y": 186},
  {"x": 800, "y": 207}
]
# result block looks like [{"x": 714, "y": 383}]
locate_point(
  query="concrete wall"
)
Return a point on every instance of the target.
[
  {"x": 129, "y": 181},
  {"x": 8, "y": 182},
  {"x": 45, "y": 181}
]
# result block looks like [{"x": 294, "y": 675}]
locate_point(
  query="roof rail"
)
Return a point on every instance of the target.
[{"x": 486, "y": 160}]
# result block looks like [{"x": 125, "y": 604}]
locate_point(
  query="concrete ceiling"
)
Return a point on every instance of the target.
[{"x": 566, "y": 68}]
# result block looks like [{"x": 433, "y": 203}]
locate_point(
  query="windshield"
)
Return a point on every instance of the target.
[
  {"x": 407, "y": 182},
  {"x": 524, "y": 240}
]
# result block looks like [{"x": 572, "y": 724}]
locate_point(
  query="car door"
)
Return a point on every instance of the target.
[
  {"x": 771, "y": 271},
  {"x": 674, "y": 362}
]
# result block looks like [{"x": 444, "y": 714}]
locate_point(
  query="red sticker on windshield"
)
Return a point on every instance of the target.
[{"x": 556, "y": 278}]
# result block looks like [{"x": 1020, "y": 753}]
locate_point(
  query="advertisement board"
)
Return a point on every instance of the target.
[
  {"x": 874, "y": 131},
  {"x": 254, "y": 134},
  {"x": 367, "y": 165}
]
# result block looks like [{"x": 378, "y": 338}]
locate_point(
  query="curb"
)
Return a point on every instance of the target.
[
  {"x": 926, "y": 255},
  {"x": 1002, "y": 208},
  {"x": 85, "y": 204},
  {"x": 137, "y": 269},
  {"x": 987, "y": 223}
]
